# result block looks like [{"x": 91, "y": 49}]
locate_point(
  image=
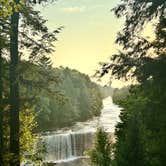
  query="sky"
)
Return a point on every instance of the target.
[{"x": 89, "y": 33}]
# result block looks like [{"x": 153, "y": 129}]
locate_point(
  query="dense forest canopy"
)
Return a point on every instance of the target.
[
  {"x": 74, "y": 98},
  {"x": 58, "y": 96}
]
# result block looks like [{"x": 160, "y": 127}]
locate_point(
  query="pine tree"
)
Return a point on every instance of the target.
[{"x": 100, "y": 155}]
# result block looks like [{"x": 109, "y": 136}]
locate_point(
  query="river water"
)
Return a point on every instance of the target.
[{"x": 68, "y": 145}]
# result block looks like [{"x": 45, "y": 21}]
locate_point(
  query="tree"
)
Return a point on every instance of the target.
[
  {"x": 100, "y": 155},
  {"x": 45, "y": 62},
  {"x": 142, "y": 60},
  {"x": 10, "y": 13},
  {"x": 130, "y": 147},
  {"x": 60, "y": 105},
  {"x": 14, "y": 90},
  {"x": 27, "y": 138},
  {"x": 1, "y": 112},
  {"x": 14, "y": 82},
  {"x": 140, "y": 57}
]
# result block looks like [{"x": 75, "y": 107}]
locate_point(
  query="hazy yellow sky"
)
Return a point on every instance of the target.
[{"x": 89, "y": 33}]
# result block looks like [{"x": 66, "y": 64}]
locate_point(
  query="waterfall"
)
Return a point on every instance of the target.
[
  {"x": 66, "y": 145},
  {"x": 61, "y": 147}
]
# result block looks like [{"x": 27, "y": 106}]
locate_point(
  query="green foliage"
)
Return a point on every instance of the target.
[
  {"x": 128, "y": 147},
  {"x": 11, "y": 11},
  {"x": 49, "y": 99},
  {"x": 6, "y": 7},
  {"x": 27, "y": 123},
  {"x": 59, "y": 97},
  {"x": 75, "y": 98},
  {"x": 141, "y": 132},
  {"x": 36, "y": 156},
  {"x": 141, "y": 58},
  {"x": 100, "y": 155},
  {"x": 142, "y": 123},
  {"x": 27, "y": 138}
]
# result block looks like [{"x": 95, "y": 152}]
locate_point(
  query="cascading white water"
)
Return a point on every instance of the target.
[
  {"x": 64, "y": 146},
  {"x": 61, "y": 147}
]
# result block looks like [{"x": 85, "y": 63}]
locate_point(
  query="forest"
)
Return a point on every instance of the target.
[
  {"x": 35, "y": 97},
  {"x": 50, "y": 98},
  {"x": 75, "y": 98}
]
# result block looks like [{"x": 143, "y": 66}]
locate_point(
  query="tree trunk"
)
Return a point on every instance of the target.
[
  {"x": 1, "y": 112},
  {"x": 14, "y": 91}
]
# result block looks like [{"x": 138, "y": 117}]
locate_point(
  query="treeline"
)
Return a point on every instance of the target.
[
  {"x": 117, "y": 94},
  {"x": 74, "y": 98},
  {"x": 106, "y": 91}
]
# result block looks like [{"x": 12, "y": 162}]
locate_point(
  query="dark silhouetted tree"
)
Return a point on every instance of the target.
[{"x": 142, "y": 60}]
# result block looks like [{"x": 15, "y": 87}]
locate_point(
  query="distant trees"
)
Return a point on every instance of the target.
[
  {"x": 56, "y": 96},
  {"x": 74, "y": 98},
  {"x": 100, "y": 155},
  {"x": 120, "y": 94}
]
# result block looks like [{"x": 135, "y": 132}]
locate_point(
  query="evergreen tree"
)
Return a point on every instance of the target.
[
  {"x": 130, "y": 146},
  {"x": 143, "y": 60},
  {"x": 14, "y": 78},
  {"x": 100, "y": 155}
]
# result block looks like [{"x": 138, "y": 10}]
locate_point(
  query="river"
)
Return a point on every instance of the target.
[{"x": 68, "y": 146}]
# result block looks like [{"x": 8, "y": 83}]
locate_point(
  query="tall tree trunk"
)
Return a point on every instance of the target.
[
  {"x": 1, "y": 112},
  {"x": 14, "y": 91}
]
